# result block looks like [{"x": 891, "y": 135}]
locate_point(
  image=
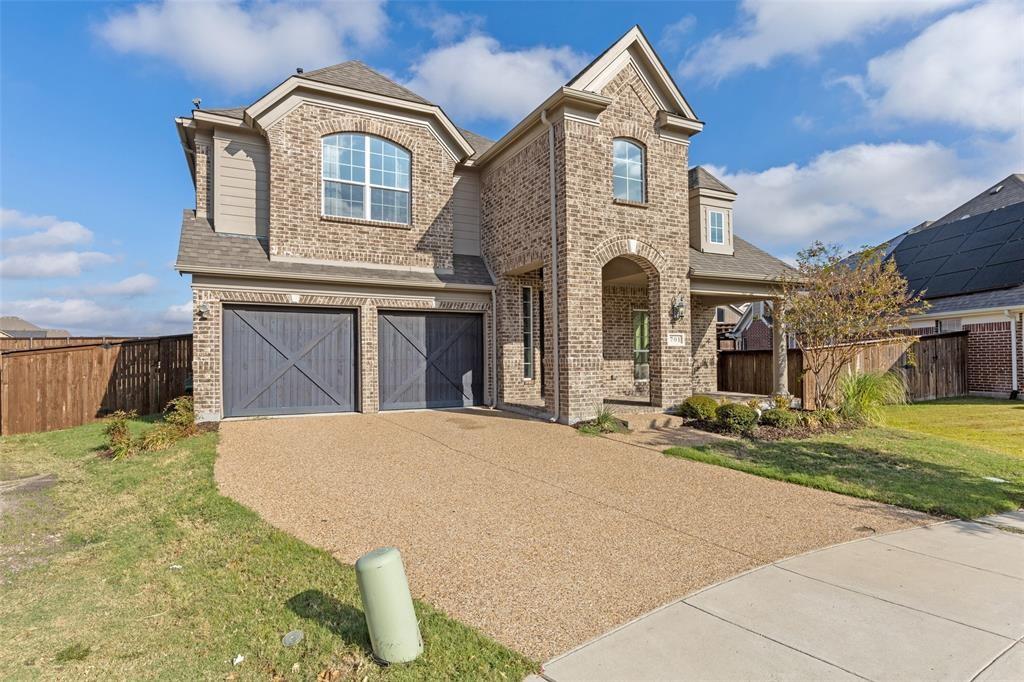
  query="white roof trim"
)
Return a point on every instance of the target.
[{"x": 633, "y": 47}]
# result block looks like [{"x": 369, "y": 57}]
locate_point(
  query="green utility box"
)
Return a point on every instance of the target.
[{"x": 387, "y": 603}]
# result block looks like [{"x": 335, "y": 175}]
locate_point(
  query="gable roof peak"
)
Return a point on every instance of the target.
[
  {"x": 635, "y": 43},
  {"x": 700, "y": 178},
  {"x": 357, "y": 75}
]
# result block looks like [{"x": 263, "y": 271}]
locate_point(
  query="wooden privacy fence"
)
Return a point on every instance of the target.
[
  {"x": 56, "y": 388},
  {"x": 7, "y": 344},
  {"x": 932, "y": 366}
]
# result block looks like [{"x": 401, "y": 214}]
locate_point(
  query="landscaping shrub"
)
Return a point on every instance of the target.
[
  {"x": 604, "y": 422},
  {"x": 828, "y": 418},
  {"x": 179, "y": 421},
  {"x": 781, "y": 402},
  {"x": 861, "y": 396},
  {"x": 779, "y": 418},
  {"x": 120, "y": 443},
  {"x": 700, "y": 407},
  {"x": 736, "y": 417}
]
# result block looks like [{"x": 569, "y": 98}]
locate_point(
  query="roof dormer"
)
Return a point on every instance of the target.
[{"x": 710, "y": 213}]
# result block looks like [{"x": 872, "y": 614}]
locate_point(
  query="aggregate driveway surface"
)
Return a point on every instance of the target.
[{"x": 531, "y": 532}]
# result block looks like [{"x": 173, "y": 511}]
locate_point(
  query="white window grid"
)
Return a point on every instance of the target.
[
  {"x": 390, "y": 157},
  {"x": 527, "y": 319},
  {"x": 716, "y": 227},
  {"x": 628, "y": 163}
]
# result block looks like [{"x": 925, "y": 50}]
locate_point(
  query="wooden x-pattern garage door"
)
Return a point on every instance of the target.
[
  {"x": 288, "y": 360},
  {"x": 430, "y": 360}
]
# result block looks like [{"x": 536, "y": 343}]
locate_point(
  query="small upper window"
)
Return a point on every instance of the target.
[
  {"x": 365, "y": 177},
  {"x": 716, "y": 227},
  {"x": 628, "y": 170}
]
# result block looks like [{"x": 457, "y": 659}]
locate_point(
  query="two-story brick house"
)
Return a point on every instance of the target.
[{"x": 352, "y": 249}]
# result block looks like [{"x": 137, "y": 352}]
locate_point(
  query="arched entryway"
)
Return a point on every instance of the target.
[{"x": 629, "y": 324}]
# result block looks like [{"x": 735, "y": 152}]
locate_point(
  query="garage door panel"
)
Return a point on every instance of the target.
[
  {"x": 430, "y": 360},
  {"x": 280, "y": 360}
]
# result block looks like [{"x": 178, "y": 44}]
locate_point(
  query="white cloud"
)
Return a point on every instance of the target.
[
  {"x": 52, "y": 264},
  {"x": 242, "y": 45},
  {"x": 673, "y": 36},
  {"x": 769, "y": 30},
  {"x": 446, "y": 26},
  {"x": 966, "y": 68},
  {"x": 478, "y": 79},
  {"x": 178, "y": 313},
  {"x": 856, "y": 195},
  {"x": 50, "y": 233},
  {"x": 136, "y": 285},
  {"x": 67, "y": 313}
]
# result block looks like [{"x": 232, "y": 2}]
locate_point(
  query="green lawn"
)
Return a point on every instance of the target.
[
  {"x": 991, "y": 424},
  {"x": 910, "y": 469},
  {"x": 141, "y": 570}
]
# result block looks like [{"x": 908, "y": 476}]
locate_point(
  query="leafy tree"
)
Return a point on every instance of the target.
[{"x": 834, "y": 302}]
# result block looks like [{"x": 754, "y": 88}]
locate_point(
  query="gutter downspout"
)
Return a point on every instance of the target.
[
  {"x": 554, "y": 259},
  {"x": 1014, "y": 385}
]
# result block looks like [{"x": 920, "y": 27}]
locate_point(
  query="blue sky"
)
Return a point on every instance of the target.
[{"x": 846, "y": 122}]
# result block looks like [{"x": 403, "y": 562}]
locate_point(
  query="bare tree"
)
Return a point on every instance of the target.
[{"x": 833, "y": 302}]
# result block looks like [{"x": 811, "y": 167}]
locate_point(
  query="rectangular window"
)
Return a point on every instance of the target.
[
  {"x": 527, "y": 332},
  {"x": 720, "y": 314},
  {"x": 641, "y": 345},
  {"x": 716, "y": 227}
]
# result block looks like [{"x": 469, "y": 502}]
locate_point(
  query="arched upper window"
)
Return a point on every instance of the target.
[
  {"x": 627, "y": 170},
  {"x": 365, "y": 177}
]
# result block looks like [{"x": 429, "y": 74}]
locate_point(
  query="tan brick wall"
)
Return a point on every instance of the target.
[
  {"x": 988, "y": 357},
  {"x": 204, "y": 178},
  {"x": 297, "y": 228},
  {"x": 655, "y": 235},
  {"x": 705, "y": 346},
  {"x": 206, "y": 360},
  {"x": 617, "y": 306},
  {"x": 516, "y": 232}
]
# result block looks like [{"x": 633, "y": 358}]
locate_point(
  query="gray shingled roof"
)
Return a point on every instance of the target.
[
  {"x": 1001, "y": 298},
  {"x": 479, "y": 143},
  {"x": 201, "y": 249},
  {"x": 746, "y": 261},
  {"x": 700, "y": 178},
  {"x": 1011, "y": 191},
  {"x": 230, "y": 112},
  {"x": 358, "y": 76}
]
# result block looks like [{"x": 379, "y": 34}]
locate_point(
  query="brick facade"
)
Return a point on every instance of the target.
[
  {"x": 206, "y": 349},
  {"x": 297, "y": 228},
  {"x": 705, "y": 346},
  {"x": 617, "y": 306},
  {"x": 204, "y": 178},
  {"x": 757, "y": 336},
  {"x": 988, "y": 357}
]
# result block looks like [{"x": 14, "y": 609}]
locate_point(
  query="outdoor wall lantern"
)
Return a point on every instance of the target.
[
  {"x": 203, "y": 310},
  {"x": 678, "y": 308}
]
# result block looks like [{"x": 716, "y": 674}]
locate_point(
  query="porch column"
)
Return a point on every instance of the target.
[{"x": 780, "y": 360}]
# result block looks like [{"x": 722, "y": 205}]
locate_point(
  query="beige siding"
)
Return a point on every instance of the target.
[
  {"x": 241, "y": 182},
  {"x": 466, "y": 213}
]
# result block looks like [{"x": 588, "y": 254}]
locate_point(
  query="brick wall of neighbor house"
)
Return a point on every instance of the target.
[
  {"x": 297, "y": 228},
  {"x": 617, "y": 306},
  {"x": 655, "y": 235},
  {"x": 206, "y": 350},
  {"x": 516, "y": 234},
  {"x": 988, "y": 356},
  {"x": 705, "y": 346},
  {"x": 757, "y": 336}
]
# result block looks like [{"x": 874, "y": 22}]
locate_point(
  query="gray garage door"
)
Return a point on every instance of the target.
[
  {"x": 288, "y": 360},
  {"x": 430, "y": 360}
]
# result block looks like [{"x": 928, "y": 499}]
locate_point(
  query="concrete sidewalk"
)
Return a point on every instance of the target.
[{"x": 940, "y": 602}]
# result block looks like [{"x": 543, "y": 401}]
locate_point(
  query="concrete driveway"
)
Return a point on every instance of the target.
[
  {"x": 536, "y": 535},
  {"x": 943, "y": 602}
]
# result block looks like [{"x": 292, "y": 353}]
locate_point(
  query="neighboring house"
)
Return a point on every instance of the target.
[
  {"x": 726, "y": 317},
  {"x": 17, "y": 328},
  {"x": 969, "y": 265},
  {"x": 352, "y": 249}
]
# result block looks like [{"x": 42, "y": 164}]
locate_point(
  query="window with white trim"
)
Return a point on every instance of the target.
[
  {"x": 627, "y": 171},
  {"x": 527, "y": 319},
  {"x": 716, "y": 227},
  {"x": 365, "y": 177}
]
